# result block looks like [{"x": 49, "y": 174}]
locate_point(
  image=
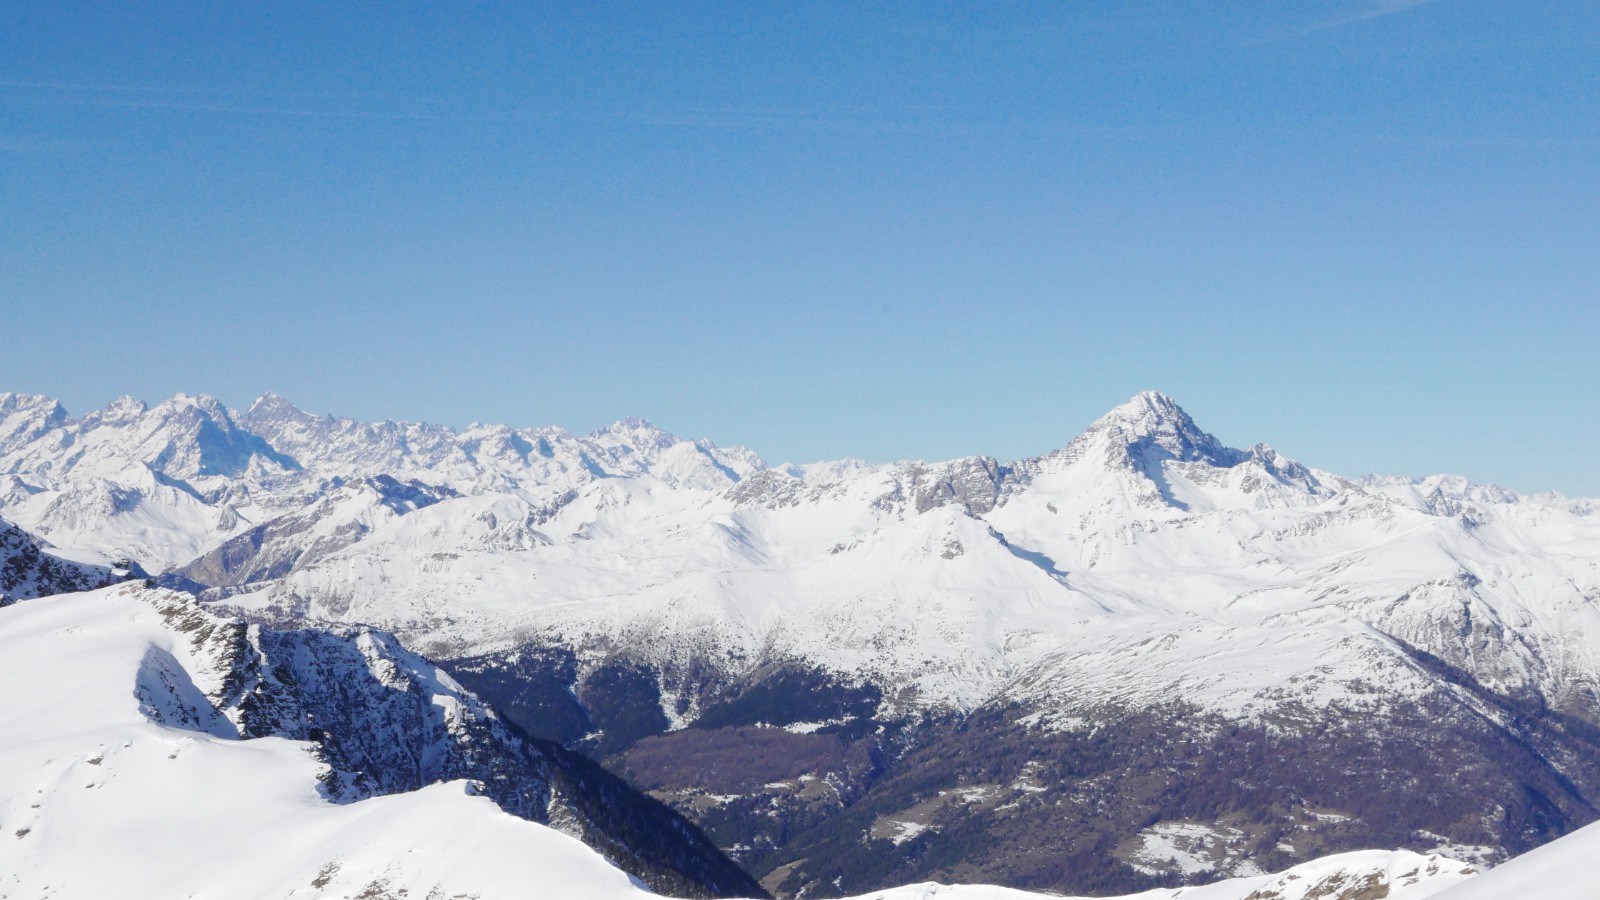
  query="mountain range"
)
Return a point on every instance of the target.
[{"x": 1143, "y": 660}]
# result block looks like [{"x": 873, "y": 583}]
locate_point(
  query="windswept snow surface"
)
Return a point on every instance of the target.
[{"x": 97, "y": 800}]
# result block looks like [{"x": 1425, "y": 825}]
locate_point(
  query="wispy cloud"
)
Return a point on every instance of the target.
[
  {"x": 939, "y": 120},
  {"x": 1347, "y": 13}
]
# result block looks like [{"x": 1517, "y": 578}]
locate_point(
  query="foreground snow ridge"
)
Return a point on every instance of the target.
[{"x": 97, "y": 800}]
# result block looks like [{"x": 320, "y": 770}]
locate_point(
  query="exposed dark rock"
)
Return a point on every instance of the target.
[{"x": 27, "y": 569}]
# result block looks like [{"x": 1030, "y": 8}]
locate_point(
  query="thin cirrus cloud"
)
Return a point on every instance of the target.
[{"x": 1345, "y": 14}]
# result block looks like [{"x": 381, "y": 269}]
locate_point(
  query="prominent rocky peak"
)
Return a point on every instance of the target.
[
  {"x": 32, "y": 404},
  {"x": 1155, "y": 419},
  {"x": 1147, "y": 430},
  {"x": 197, "y": 436},
  {"x": 636, "y": 432},
  {"x": 292, "y": 430},
  {"x": 634, "y": 446},
  {"x": 26, "y": 417},
  {"x": 191, "y": 407},
  {"x": 182, "y": 415},
  {"x": 973, "y": 483},
  {"x": 123, "y": 411},
  {"x": 1152, "y": 407},
  {"x": 272, "y": 407}
]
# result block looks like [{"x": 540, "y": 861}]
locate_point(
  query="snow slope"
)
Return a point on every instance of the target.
[
  {"x": 97, "y": 800},
  {"x": 1563, "y": 869},
  {"x": 1346, "y": 876}
]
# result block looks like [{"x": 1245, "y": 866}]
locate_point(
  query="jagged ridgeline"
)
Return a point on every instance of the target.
[
  {"x": 29, "y": 568},
  {"x": 1144, "y": 659}
]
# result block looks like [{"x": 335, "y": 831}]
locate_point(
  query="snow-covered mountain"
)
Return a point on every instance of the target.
[
  {"x": 104, "y": 687},
  {"x": 1146, "y": 656},
  {"x": 123, "y": 772},
  {"x": 30, "y": 567}
]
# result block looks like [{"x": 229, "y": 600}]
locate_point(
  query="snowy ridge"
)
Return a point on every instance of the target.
[
  {"x": 30, "y": 567},
  {"x": 98, "y": 799},
  {"x": 956, "y": 580},
  {"x": 377, "y": 720},
  {"x": 1560, "y": 870},
  {"x": 1346, "y": 876}
]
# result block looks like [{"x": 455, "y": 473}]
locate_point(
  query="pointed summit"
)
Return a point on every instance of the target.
[
  {"x": 1151, "y": 427},
  {"x": 270, "y": 413},
  {"x": 271, "y": 400},
  {"x": 1144, "y": 411},
  {"x": 1152, "y": 420},
  {"x": 27, "y": 417},
  {"x": 271, "y": 403},
  {"x": 123, "y": 410},
  {"x": 637, "y": 432}
]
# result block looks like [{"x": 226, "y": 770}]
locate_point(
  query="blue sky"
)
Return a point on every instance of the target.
[{"x": 1364, "y": 232}]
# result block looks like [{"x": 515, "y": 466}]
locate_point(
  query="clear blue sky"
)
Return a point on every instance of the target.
[{"x": 1365, "y": 232}]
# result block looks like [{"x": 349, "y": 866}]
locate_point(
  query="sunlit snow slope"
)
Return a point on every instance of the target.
[
  {"x": 1561, "y": 870},
  {"x": 98, "y": 800}
]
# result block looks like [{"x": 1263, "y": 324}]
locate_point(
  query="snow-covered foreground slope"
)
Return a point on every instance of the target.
[
  {"x": 1361, "y": 875},
  {"x": 364, "y": 717},
  {"x": 97, "y": 800},
  {"x": 1564, "y": 869}
]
